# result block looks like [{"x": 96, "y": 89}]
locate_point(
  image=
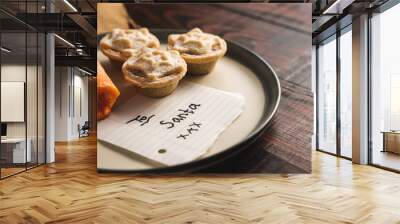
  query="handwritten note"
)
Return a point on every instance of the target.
[{"x": 175, "y": 129}]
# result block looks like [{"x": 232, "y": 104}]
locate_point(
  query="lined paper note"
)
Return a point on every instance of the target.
[{"x": 175, "y": 129}]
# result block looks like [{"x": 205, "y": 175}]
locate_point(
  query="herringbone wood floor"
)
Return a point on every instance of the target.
[{"x": 71, "y": 191}]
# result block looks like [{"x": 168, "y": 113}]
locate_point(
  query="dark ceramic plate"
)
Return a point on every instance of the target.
[{"x": 272, "y": 91}]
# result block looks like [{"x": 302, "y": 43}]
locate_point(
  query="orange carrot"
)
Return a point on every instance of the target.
[{"x": 107, "y": 93}]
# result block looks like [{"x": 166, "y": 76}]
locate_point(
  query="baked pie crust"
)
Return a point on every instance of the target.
[
  {"x": 200, "y": 50},
  {"x": 155, "y": 72},
  {"x": 121, "y": 44}
]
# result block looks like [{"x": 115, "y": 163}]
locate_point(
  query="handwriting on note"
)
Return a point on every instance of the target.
[
  {"x": 141, "y": 119},
  {"x": 193, "y": 127},
  {"x": 183, "y": 125},
  {"x": 182, "y": 115}
]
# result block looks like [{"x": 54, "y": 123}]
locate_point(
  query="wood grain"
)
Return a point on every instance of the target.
[
  {"x": 111, "y": 16},
  {"x": 279, "y": 33},
  {"x": 71, "y": 191}
]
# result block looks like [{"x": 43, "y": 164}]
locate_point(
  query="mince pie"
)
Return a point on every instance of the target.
[
  {"x": 200, "y": 50},
  {"x": 121, "y": 44},
  {"x": 155, "y": 72}
]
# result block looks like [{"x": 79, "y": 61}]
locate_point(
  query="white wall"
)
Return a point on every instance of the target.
[
  {"x": 69, "y": 85},
  {"x": 81, "y": 102},
  {"x": 13, "y": 73},
  {"x": 34, "y": 125},
  {"x": 61, "y": 104}
]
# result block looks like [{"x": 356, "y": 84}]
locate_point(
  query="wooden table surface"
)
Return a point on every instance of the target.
[{"x": 281, "y": 34}]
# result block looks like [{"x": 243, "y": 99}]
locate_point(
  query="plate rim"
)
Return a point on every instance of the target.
[{"x": 220, "y": 156}]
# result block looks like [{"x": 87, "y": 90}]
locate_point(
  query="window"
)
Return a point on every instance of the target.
[
  {"x": 327, "y": 96},
  {"x": 385, "y": 89},
  {"x": 22, "y": 77},
  {"x": 346, "y": 75},
  {"x": 334, "y": 137}
]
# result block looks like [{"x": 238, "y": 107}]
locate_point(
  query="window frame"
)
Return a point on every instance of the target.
[
  {"x": 336, "y": 38},
  {"x": 31, "y": 30}
]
